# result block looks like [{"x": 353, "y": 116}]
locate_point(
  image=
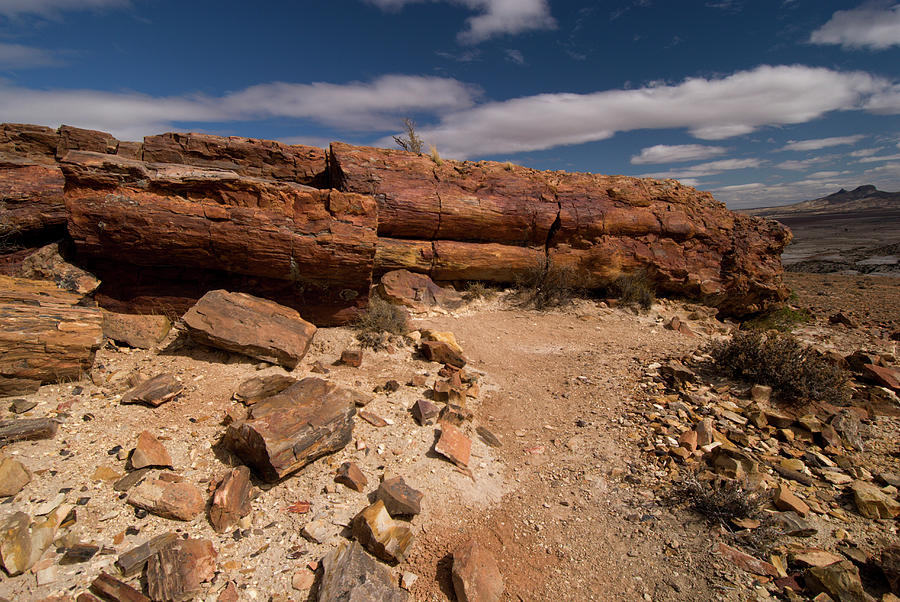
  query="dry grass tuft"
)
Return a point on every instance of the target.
[
  {"x": 383, "y": 317},
  {"x": 547, "y": 285}
]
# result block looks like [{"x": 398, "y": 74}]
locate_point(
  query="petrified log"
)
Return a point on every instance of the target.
[
  {"x": 286, "y": 432},
  {"x": 232, "y": 499},
  {"x": 252, "y": 326},
  {"x": 188, "y": 227},
  {"x": 245, "y": 156},
  {"x": 35, "y": 142},
  {"x": 178, "y": 569},
  {"x": 135, "y": 330},
  {"x": 110, "y": 588},
  {"x": 45, "y": 335},
  {"x": 155, "y": 391},
  {"x": 26, "y": 429},
  {"x": 32, "y": 208},
  {"x": 257, "y": 388},
  {"x": 380, "y": 534},
  {"x": 133, "y": 560},
  {"x": 351, "y": 574}
]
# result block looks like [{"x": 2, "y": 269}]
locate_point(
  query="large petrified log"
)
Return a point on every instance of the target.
[
  {"x": 244, "y": 156},
  {"x": 32, "y": 208},
  {"x": 491, "y": 221},
  {"x": 45, "y": 335},
  {"x": 176, "y": 230},
  {"x": 286, "y": 432}
]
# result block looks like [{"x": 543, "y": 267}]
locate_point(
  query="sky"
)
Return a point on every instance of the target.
[{"x": 761, "y": 102}]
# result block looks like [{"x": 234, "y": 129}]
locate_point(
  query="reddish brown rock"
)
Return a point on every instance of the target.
[
  {"x": 425, "y": 412},
  {"x": 254, "y": 390},
  {"x": 438, "y": 351},
  {"x": 32, "y": 207},
  {"x": 150, "y": 452},
  {"x": 252, "y": 326},
  {"x": 134, "y": 560},
  {"x": 35, "y": 142},
  {"x": 13, "y": 476},
  {"x": 287, "y": 431},
  {"x": 352, "y": 357},
  {"x": 476, "y": 576},
  {"x": 350, "y": 475},
  {"x": 45, "y": 335},
  {"x": 178, "y": 570},
  {"x": 351, "y": 574},
  {"x": 27, "y": 429},
  {"x": 785, "y": 499},
  {"x": 746, "y": 562},
  {"x": 49, "y": 263},
  {"x": 883, "y": 375},
  {"x": 110, "y": 588},
  {"x": 454, "y": 445},
  {"x": 399, "y": 498},
  {"x": 383, "y": 536},
  {"x": 161, "y": 235},
  {"x": 180, "y": 501},
  {"x": 417, "y": 291},
  {"x": 245, "y": 156},
  {"x": 155, "y": 391},
  {"x": 72, "y": 138},
  {"x": 134, "y": 330},
  {"x": 455, "y": 415}
]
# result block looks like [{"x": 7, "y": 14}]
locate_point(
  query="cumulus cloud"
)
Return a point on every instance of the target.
[
  {"x": 662, "y": 153},
  {"x": 377, "y": 105},
  {"x": 873, "y": 25},
  {"x": 51, "y": 8},
  {"x": 711, "y": 109},
  {"x": 17, "y": 56},
  {"x": 885, "y": 102},
  {"x": 705, "y": 169},
  {"x": 496, "y": 17},
  {"x": 820, "y": 143}
]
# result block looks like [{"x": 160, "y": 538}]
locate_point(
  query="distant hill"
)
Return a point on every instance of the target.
[{"x": 863, "y": 199}]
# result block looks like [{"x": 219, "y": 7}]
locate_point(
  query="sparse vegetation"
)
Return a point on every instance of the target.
[
  {"x": 382, "y": 317},
  {"x": 435, "y": 155},
  {"x": 783, "y": 319},
  {"x": 722, "y": 500},
  {"x": 547, "y": 285},
  {"x": 796, "y": 372},
  {"x": 412, "y": 143},
  {"x": 635, "y": 290},
  {"x": 478, "y": 290},
  {"x": 508, "y": 166}
]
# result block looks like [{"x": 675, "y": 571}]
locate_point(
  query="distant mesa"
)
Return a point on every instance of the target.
[{"x": 864, "y": 199}]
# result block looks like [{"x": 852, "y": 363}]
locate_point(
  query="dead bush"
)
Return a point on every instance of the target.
[
  {"x": 547, "y": 285},
  {"x": 722, "y": 500},
  {"x": 635, "y": 290},
  {"x": 795, "y": 371},
  {"x": 478, "y": 290},
  {"x": 382, "y": 317},
  {"x": 412, "y": 143}
]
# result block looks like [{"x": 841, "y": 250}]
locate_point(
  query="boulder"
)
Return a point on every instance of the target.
[
  {"x": 178, "y": 501},
  {"x": 142, "y": 331},
  {"x": 161, "y": 235},
  {"x": 351, "y": 574},
  {"x": 839, "y": 580},
  {"x": 46, "y": 335},
  {"x": 443, "y": 353},
  {"x": 31, "y": 202},
  {"x": 287, "y": 431},
  {"x": 874, "y": 503},
  {"x": 476, "y": 576},
  {"x": 252, "y": 326},
  {"x": 232, "y": 499},
  {"x": 417, "y": 291}
]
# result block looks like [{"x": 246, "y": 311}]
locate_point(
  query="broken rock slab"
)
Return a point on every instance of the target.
[
  {"x": 252, "y": 326},
  {"x": 287, "y": 431},
  {"x": 476, "y": 576},
  {"x": 179, "y": 501},
  {"x": 254, "y": 390},
  {"x": 27, "y": 429},
  {"x": 416, "y": 291},
  {"x": 155, "y": 391},
  {"x": 13, "y": 476},
  {"x": 232, "y": 499},
  {"x": 351, "y": 476},
  {"x": 135, "y": 330},
  {"x": 349, "y": 573},
  {"x": 23, "y": 540},
  {"x": 149, "y": 452},
  {"x": 399, "y": 498},
  {"x": 383, "y": 536},
  {"x": 454, "y": 445},
  {"x": 133, "y": 560},
  {"x": 109, "y": 588},
  {"x": 839, "y": 580},
  {"x": 874, "y": 503},
  {"x": 177, "y": 571},
  {"x": 441, "y": 352}
]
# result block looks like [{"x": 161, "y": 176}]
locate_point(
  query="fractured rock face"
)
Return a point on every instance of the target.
[
  {"x": 149, "y": 452},
  {"x": 383, "y": 536},
  {"x": 287, "y": 431},
  {"x": 399, "y": 498},
  {"x": 179, "y": 501},
  {"x": 476, "y": 576},
  {"x": 232, "y": 499},
  {"x": 140, "y": 331},
  {"x": 178, "y": 570},
  {"x": 258, "y": 388},
  {"x": 351, "y": 574},
  {"x": 252, "y": 326},
  {"x": 23, "y": 540}
]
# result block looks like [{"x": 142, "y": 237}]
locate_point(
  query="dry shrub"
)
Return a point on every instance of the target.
[
  {"x": 412, "y": 143},
  {"x": 547, "y": 285},
  {"x": 721, "y": 500},
  {"x": 783, "y": 319},
  {"x": 382, "y": 317},
  {"x": 435, "y": 155},
  {"x": 478, "y": 290},
  {"x": 635, "y": 290},
  {"x": 795, "y": 371}
]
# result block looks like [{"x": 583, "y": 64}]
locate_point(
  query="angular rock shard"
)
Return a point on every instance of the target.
[
  {"x": 133, "y": 560},
  {"x": 155, "y": 391},
  {"x": 150, "y": 452},
  {"x": 351, "y": 574},
  {"x": 177, "y": 571},
  {"x": 476, "y": 576},
  {"x": 256, "y": 389},
  {"x": 287, "y": 431},
  {"x": 454, "y": 445},
  {"x": 134, "y": 330},
  {"x": 232, "y": 499},
  {"x": 252, "y": 326},
  {"x": 13, "y": 476},
  {"x": 23, "y": 540},
  {"x": 399, "y": 498},
  {"x": 179, "y": 501},
  {"x": 383, "y": 536}
]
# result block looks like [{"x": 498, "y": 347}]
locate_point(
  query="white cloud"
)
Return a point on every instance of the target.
[
  {"x": 16, "y": 56},
  {"x": 515, "y": 56},
  {"x": 710, "y": 109},
  {"x": 879, "y": 159},
  {"x": 52, "y": 8},
  {"x": 885, "y": 102},
  {"x": 705, "y": 169},
  {"x": 820, "y": 143},
  {"x": 375, "y": 105},
  {"x": 805, "y": 163},
  {"x": 873, "y": 25},
  {"x": 662, "y": 153},
  {"x": 866, "y": 152},
  {"x": 496, "y": 17}
]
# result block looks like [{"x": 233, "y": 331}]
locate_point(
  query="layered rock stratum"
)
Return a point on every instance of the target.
[{"x": 165, "y": 221}]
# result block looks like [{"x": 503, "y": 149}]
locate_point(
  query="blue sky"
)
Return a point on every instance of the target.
[{"x": 763, "y": 102}]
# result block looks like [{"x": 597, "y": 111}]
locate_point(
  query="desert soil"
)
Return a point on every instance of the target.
[{"x": 572, "y": 505}]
